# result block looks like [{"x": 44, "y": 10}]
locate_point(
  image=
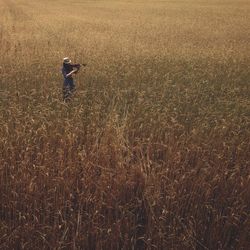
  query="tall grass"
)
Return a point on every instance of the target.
[{"x": 152, "y": 152}]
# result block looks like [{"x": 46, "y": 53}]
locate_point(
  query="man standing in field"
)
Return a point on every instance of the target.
[{"x": 68, "y": 70}]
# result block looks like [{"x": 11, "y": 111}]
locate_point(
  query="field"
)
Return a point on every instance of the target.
[{"x": 152, "y": 152}]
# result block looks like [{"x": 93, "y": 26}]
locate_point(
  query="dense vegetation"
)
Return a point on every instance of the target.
[{"x": 152, "y": 152}]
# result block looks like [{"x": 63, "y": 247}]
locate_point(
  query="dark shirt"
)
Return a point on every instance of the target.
[{"x": 66, "y": 69}]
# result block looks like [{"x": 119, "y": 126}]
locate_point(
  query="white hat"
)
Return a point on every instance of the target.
[{"x": 66, "y": 60}]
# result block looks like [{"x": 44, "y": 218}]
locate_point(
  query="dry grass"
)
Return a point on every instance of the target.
[{"x": 153, "y": 150}]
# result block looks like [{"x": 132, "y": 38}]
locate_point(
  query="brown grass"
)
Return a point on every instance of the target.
[{"x": 153, "y": 150}]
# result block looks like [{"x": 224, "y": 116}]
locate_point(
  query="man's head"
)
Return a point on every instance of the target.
[{"x": 66, "y": 60}]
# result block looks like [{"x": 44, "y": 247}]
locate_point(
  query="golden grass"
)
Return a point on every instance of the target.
[{"x": 153, "y": 150}]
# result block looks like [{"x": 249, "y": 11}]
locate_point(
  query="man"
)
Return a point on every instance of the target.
[{"x": 68, "y": 70}]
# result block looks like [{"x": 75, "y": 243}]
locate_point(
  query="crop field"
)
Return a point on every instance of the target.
[{"x": 153, "y": 149}]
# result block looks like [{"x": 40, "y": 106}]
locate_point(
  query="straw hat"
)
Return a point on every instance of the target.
[{"x": 66, "y": 60}]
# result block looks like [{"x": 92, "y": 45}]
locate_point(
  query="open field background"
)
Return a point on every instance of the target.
[{"x": 153, "y": 150}]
